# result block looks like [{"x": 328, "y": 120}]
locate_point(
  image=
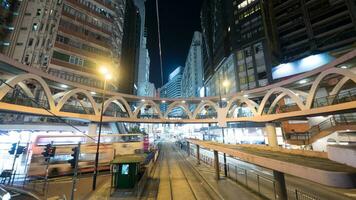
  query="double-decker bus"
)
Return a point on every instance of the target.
[{"x": 110, "y": 145}]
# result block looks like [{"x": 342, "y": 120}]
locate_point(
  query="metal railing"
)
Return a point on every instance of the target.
[
  {"x": 263, "y": 185},
  {"x": 342, "y": 97},
  {"x": 77, "y": 109},
  {"x": 25, "y": 101},
  {"x": 115, "y": 113},
  {"x": 335, "y": 120},
  {"x": 207, "y": 116}
]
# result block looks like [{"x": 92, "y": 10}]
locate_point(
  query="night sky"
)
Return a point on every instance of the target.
[{"x": 178, "y": 20}]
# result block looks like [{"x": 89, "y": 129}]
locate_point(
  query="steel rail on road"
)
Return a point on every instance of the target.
[
  {"x": 199, "y": 176},
  {"x": 184, "y": 174}
]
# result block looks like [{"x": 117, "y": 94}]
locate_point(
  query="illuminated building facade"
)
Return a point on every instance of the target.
[
  {"x": 263, "y": 37},
  {"x": 192, "y": 79},
  {"x": 70, "y": 39}
]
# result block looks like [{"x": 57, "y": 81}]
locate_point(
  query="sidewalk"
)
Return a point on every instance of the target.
[{"x": 60, "y": 187}]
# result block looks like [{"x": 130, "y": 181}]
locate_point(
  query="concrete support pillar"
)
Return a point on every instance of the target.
[
  {"x": 92, "y": 128},
  {"x": 225, "y": 165},
  {"x": 280, "y": 185},
  {"x": 198, "y": 154},
  {"x": 216, "y": 165},
  {"x": 188, "y": 149},
  {"x": 271, "y": 134}
]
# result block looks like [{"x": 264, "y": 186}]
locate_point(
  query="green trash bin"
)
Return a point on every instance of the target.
[{"x": 126, "y": 170}]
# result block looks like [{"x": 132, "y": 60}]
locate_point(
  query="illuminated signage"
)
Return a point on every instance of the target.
[{"x": 303, "y": 65}]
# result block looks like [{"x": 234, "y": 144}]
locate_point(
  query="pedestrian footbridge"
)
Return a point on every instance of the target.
[{"x": 326, "y": 90}]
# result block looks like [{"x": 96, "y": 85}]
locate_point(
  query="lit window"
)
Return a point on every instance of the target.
[{"x": 34, "y": 26}]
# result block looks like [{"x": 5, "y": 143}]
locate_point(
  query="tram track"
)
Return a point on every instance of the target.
[
  {"x": 151, "y": 190},
  {"x": 208, "y": 188},
  {"x": 189, "y": 184},
  {"x": 175, "y": 178}
]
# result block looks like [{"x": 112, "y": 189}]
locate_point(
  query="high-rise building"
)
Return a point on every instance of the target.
[
  {"x": 234, "y": 47},
  {"x": 173, "y": 88},
  {"x": 8, "y": 14},
  {"x": 144, "y": 87},
  {"x": 307, "y": 28},
  {"x": 71, "y": 39},
  {"x": 147, "y": 89},
  {"x": 192, "y": 78},
  {"x": 214, "y": 23},
  {"x": 131, "y": 44},
  {"x": 259, "y": 37},
  {"x": 252, "y": 44}
]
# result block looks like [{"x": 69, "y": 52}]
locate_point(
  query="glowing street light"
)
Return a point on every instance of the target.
[
  {"x": 225, "y": 83},
  {"x": 104, "y": 71},
  {"x": 108, "y": 77},
  {"x": 304, "y": 81}
]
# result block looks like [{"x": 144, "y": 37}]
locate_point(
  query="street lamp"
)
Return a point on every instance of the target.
[
  {"x": 225, "y": 84},
  {"x": 107, "y": 76}
]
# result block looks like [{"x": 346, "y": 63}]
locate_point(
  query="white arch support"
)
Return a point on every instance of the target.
[
  {"x": 26, "y": 90},
  {"x": 339, "y": 85},
  {"x": 344, "y": 72},
  {"x": 250, "y": 104},
  {"x": 287, "y": 92},
  {"x": 148, "y": 102},
  {"x": 71, "y": 93},
  {"x": 201, "y": 105},
  {"x": 179, "y": 104},
  {"x": 121, "y": 102},
  {"x": 4, "y": 89}
]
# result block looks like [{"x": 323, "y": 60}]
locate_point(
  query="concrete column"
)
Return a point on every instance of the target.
[
  {"x": 216, "y": 165},
  {"x": 92, "y": 128},
  {"x": 188, "y": 149},
  {"x": 198, "y": 154},
  {"x": 280, "y": 185},
  {"x": 271, "y": 134},
  {"x": 225, "y": 165}
]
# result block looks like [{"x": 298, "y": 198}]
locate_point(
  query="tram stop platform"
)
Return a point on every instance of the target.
[{"x": 313, "y": 166}]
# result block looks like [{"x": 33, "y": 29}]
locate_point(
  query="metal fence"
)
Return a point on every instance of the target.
[{"x": 265, "y": 186}]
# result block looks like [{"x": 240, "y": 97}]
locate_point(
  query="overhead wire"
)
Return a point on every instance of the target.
[{"x": 159, "y": 41}]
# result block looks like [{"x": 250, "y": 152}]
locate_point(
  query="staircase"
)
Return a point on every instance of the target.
[{"x": 325, "y": 128}]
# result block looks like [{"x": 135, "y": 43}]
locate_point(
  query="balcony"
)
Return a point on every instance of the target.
[
  {"x": 81, "y": 52},
  {"x": 107, "y": 5},
  {"x": 84, "y": 37},
  {"x": 71, "y": 66},
  {"x": 78, "y": 4},
  {"x": 64, "y": 13}
]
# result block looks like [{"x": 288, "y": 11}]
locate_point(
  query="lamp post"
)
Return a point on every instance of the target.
[
  {"x": 105, "y": 72},
  {"x": 225, "y": 84}
]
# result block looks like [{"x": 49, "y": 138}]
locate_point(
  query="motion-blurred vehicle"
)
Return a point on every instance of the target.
[{"x": 110, "y": 145}]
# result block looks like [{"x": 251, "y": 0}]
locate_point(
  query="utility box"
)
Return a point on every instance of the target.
[{"x": 126, "y": 170}]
